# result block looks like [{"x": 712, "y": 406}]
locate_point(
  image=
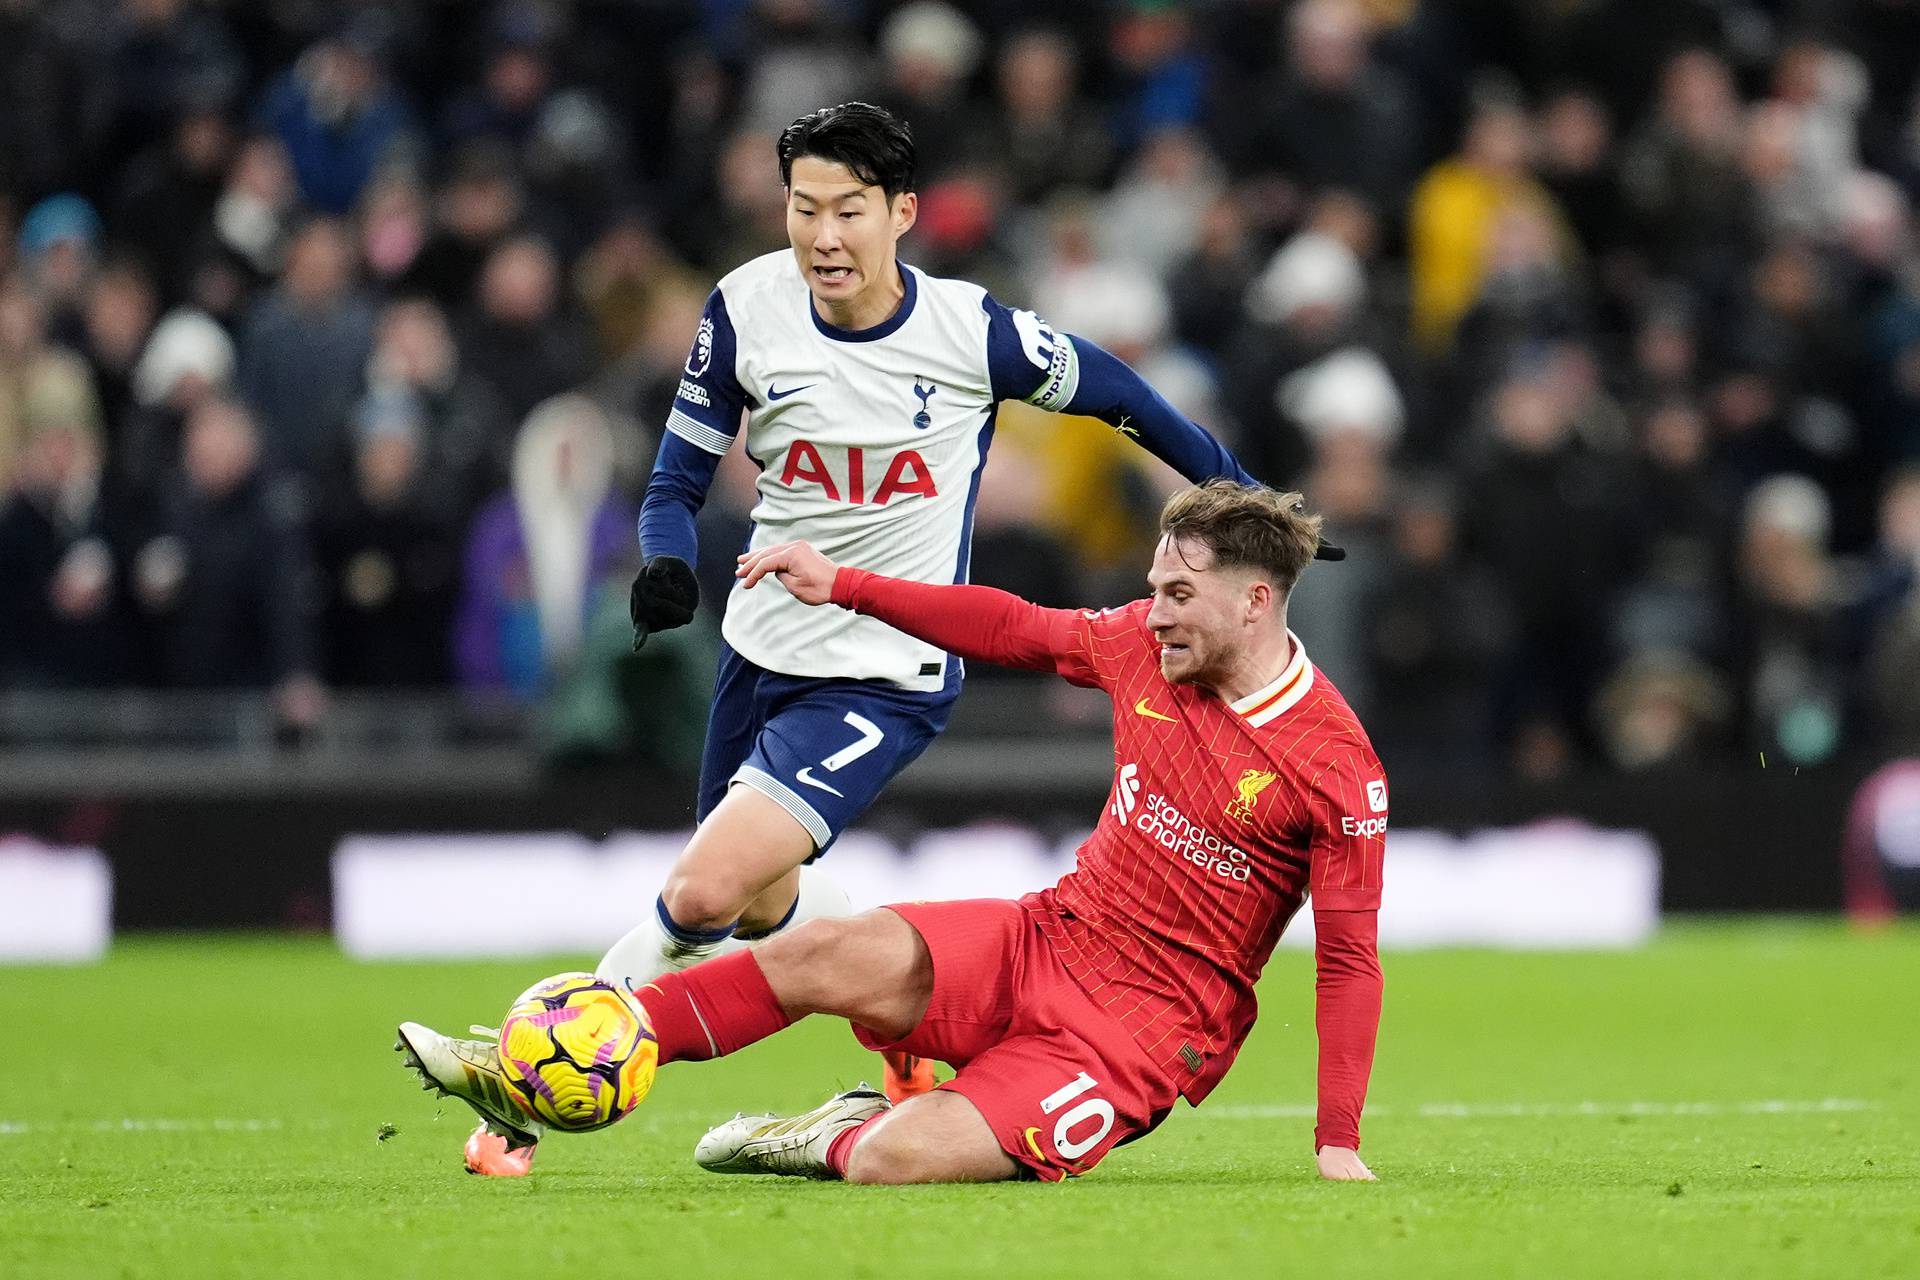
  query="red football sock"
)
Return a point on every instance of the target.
[
  {"x": 842, "y": 1145},
  {"x": 713, "y": 1009}
]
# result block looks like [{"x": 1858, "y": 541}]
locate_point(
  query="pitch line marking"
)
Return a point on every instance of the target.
[
  {"x": 135, "y": 1124},
  {"x": 1552, "y": 1110}
]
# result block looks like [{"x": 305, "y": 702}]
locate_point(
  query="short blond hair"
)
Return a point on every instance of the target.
[{"x": 1246, "y": 525}]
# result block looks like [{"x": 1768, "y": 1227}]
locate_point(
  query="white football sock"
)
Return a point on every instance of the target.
[
  {"x": 819, "y": 898},
  {"x": 651, "y": 948},
  {"x": 657, "y": 945}
]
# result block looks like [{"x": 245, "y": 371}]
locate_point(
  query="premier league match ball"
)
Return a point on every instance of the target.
[{"x": 579, "y": 1052}]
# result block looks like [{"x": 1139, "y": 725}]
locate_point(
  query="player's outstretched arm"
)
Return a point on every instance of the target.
[
  {"x": 981, "y": 623},
  {"x": 1347, "y": 992}
]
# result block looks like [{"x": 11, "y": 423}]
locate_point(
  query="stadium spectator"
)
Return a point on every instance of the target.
[
  {"x": 1684, "y": 512},
  {"x": 520, "y": 337},
  {"x": 1040, "y": 135},
  {"x": 1436, "y": 628},
  {"x": 804, "y": 53},
  {"x": 1153, "y": 215},
  {"x": 394, "y": 224},
  {"x": 33, "y": 373},
  {"x": 187, "y": 359},
  {"x": 1662, "y": 710},
  {"x": 515, "y": 85},
  {"x": 59, "y": 563},
  {"x": 163, "y": 208},
  {"x": 162, "y": 58},
  {"x": 477, "y": 207},
  {"x": 116, "y": 321},
  {"x": 388, "y": 554},
  {"x": 467, "y": 437},
  {"x": 1883, "y": 621},
  {"x": 252, "y": 218},
  {"x": 1788, "y": 635},
  {"x": 1577, "y": 167},
  {"x": 928, "y": 53},
  {"x": 1682, "y": 176},
  {"x": 303, "y": 353},
  {"x": 1347, "y": 406},
  {"x": 1207, "y": 285},
  {"x": 338, "y": 115},
  {"x": 1527, "y": 301},
  {"x": 1335, "y": 116},
  {"x": 1160, "y": 71},
  {"x": 59, "y": 248},
  {"x": 49, "y": 104},
  {"x": 542, "y": 554},
  {"x": 225, "y": 575},
  {"x": 1455, "y": 212},
  {"x": 1548, "y": 516},
  {"x": 1306, "y": 303}
]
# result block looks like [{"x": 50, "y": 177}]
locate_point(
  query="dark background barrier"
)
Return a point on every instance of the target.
[{"x": 217, "y": 844}]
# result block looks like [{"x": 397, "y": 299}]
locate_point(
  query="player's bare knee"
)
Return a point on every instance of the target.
[
  {"x": 883, "y": 1161},
  {"x": 696, "y": 902}
]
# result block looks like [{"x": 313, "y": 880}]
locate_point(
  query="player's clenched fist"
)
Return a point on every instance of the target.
[
  {"x": 1343, "y": 1164},
  {"x": 665, "y": 594},
  {"x": 801, "y": 570}
]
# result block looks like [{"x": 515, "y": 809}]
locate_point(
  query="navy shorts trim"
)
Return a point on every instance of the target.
[{"x": 822, "y": 749}]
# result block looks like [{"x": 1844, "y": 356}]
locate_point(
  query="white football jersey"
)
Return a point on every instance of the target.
[{"x": 870, "y": 445}]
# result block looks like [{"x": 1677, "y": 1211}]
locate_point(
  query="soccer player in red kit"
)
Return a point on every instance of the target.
[{"x": 1077, "y": 1016}]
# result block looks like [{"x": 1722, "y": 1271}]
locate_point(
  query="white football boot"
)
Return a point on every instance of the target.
[
  {"x": 469, "y": 1070},
  {"x": 795, "y": 1147}
]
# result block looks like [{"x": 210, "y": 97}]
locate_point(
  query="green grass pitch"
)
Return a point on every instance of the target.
[{"x": 1735, "y": 1100}]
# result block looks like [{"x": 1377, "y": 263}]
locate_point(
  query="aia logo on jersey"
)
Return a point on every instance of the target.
[
  {"x": 906, "y": 474},
  {"x": 702, "y": 354},
  {"x": 1126, "y": 793},
  {"x": 922, "y": 420},
  {"x": 1251, "y": 784}
]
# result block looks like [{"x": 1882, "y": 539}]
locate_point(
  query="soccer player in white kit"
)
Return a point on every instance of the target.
[{"x": 869, "y": 391}]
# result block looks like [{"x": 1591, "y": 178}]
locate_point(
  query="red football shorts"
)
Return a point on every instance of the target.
[{"x": 1059, "y": 1080}]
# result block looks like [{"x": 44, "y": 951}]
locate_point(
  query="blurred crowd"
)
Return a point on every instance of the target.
[{"x": 335, "y": 339}]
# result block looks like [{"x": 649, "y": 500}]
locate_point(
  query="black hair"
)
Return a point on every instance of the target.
[{"x": 874, "y": 144}]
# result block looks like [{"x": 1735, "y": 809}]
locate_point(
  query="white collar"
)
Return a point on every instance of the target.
[{"x": 1291, "y": 685}]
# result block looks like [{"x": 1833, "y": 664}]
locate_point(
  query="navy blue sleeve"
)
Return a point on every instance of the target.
[
  {"x": 700, "y": 429},
  {"x": 1062, "y": 373},
  {"x": 682, "y": 474}
]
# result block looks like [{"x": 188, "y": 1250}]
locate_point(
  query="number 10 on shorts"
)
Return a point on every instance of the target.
[{"x": 1065, "y": 1143}]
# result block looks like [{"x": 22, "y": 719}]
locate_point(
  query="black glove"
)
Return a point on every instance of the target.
[
  {"x": 665, "y": 594},
  {"x": 1327, "y": 551}
]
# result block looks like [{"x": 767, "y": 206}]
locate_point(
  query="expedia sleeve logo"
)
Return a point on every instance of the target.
[
  {"x": 702, "y": 354},
  {"x": 1369, "y": 828}
]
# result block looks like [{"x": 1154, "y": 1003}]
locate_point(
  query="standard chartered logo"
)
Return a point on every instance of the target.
[
  {"x": 1172, "y": 830},
  {"x": 1159, "y": 821},
  {"x": 1126, "y": 793}
]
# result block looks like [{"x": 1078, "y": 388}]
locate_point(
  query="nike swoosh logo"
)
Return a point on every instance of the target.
[
  {"x": 1034, "y": 1146},
  {"x": 806, "y": 776},
  {"x": 1141, "y": 708},
  {"x": 773, "y": 394}
]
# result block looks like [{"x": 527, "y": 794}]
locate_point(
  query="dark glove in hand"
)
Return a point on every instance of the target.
[{"x": 665, "y": 594}]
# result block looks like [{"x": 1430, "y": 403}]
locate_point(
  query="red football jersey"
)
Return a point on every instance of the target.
[{"x": 1222, "y": 819}]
